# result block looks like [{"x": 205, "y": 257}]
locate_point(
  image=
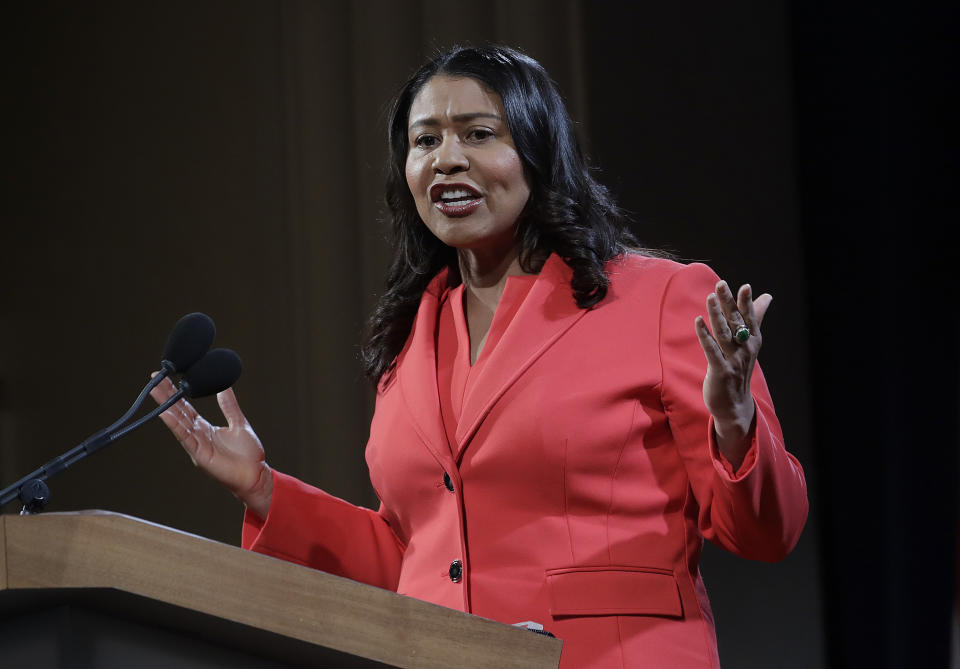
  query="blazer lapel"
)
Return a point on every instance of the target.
[
  {"x": 548, "y": 311},
  {"x": 417, "y": 372}
]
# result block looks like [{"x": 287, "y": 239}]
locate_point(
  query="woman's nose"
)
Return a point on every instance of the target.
[{"x": 449, "y": 158}]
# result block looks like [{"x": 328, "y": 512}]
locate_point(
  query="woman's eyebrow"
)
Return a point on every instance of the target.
[{"x": 456, "y": 118}]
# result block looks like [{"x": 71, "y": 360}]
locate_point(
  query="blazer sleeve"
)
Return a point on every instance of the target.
[
  {"x": 312, "y": 528},
  {"x": 758, "y": 511}
]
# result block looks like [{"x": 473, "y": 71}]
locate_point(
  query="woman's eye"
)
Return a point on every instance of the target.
[
  {"x": 425, "y": 141},
  {"x": 480, "y": 134}
]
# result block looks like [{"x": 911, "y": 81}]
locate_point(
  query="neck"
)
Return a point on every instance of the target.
[
  {"x": 485, "y": 275},
  {"x": 484, "y": 278}
]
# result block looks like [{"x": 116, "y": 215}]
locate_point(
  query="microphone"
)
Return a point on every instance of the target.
[
  {"x": 213, "y": 373},
  {"x": 204, "y": 372},
  {"x": 190, "y": 338}
]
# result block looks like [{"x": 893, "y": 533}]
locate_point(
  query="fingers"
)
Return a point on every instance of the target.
[
  {"x": 182, "y": 419},
  {"x": 752, "y": 310},
  {"x": 230, "y": 408},
  {"x": 720, "y": 321},
  {"x": 731, "y": 310},
  {"x": 742, "y": 310},
  {"x": 761, "y": 304},
  {"x": 711, "y": 349},
  {"x": 745, "y": 306},
  {"x": 181, "y": 430},
  {"x": 163, "y": 390},
  {"x": 726, "y": 313}
]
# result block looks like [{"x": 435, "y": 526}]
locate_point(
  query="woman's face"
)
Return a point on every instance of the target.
[{"x": 462, "y": 167}]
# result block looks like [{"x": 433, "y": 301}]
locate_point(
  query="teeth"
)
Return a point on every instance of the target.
[{"x": 459, "y": 194}]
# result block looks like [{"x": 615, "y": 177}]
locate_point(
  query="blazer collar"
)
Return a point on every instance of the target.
[
  {"x": 417, "y": 371},
  {"x": 548, "y": 311}
]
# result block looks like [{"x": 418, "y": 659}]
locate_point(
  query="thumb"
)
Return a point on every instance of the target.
[
  {"x": 760, "y": 306},
  {"x": 231, "y": 410}
]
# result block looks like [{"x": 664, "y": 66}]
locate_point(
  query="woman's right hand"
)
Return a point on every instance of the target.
[{"x": 232, "y": 455}]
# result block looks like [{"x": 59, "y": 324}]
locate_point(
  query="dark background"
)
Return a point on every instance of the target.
[{"x": 226, "y": 157}]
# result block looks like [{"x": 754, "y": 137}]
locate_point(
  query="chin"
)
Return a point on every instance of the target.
[{"x": 459, "y": 234}]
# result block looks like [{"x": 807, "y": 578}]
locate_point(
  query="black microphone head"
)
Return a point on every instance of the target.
[
  {"x": 216, "y": 371},
  {"x": 190, "y": 338}
]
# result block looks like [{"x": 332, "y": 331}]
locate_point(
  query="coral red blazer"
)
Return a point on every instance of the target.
[{"x": 581, "y": 483}]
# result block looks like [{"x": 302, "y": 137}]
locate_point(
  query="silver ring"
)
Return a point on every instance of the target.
[{"x": 742, "y": 334}]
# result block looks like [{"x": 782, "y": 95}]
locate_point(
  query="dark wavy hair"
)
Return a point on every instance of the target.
[{"x": 568, "y": 212}]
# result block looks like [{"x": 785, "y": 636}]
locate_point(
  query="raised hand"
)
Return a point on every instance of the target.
[
  {"x": 730, "y": 363},
  {"x": 231, "y": 455}
]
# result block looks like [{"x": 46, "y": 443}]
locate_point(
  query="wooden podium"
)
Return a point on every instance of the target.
[{"x": 99, "y": 589}]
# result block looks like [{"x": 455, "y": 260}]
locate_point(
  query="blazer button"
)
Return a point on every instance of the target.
[
  {"x": 456, "y": 571},
  {"x": 447, "y": 481}
]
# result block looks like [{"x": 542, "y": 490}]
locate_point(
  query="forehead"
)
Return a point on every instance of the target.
[{"x": 443, "y": 98}]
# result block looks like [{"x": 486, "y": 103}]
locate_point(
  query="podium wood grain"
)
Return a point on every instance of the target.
[{"x": 96, "y": 549}]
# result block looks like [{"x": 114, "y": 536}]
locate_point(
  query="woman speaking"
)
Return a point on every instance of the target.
[{"x": 561, "y": 416}]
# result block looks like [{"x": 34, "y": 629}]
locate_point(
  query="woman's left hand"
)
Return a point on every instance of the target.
[{"x": 730, "y": 362}]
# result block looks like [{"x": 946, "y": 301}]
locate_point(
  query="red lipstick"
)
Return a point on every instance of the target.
[{"x": 455, "y": 199}]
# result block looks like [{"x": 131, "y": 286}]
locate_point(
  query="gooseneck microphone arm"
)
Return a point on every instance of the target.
[
  {"x": 216, "y": 371},
  {"x": 140, "y": 421},
  {"x": 91, "y": 445},
  {"x": 166, "y": 368},
  {"x": 188, "y": 342},
  {"x": 187, "y": 351}
]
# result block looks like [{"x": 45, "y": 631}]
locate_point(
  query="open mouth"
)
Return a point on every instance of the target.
[{"x": 455, "y": 199}]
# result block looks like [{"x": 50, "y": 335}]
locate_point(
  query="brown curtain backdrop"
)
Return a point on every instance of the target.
[
  {"x": 216, "y": 156},
  {"x": 227, "y": 157}
]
